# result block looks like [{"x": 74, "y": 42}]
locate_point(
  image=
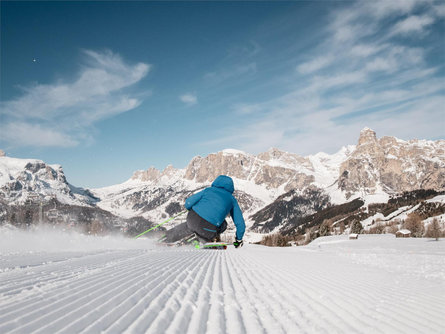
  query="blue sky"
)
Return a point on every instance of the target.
[{"x": 107, "y": 88}]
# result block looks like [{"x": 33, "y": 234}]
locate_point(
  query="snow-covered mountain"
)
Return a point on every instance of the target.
[
  {"x": 23, "y": 180},
  {"x": 273, "y": 187},
  {"x": 373, "y": 170},
  {"x": 259, "y": 180},
  {"x": 32, "y": 191}
]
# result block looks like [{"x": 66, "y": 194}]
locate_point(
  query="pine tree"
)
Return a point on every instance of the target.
[{"x": 356, "y": 227}]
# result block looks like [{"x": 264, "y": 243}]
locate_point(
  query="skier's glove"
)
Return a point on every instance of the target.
[{"x": 238, "y": 243}]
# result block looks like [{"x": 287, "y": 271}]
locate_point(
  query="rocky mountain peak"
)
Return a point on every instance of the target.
[
  {"x": 171, "y": 171},
  {"x": 367, "y": 136},
  {"x": 232, "y": 151},
  {"x": 277, "y": 157},
  {"x": 151, "y": 174},
  {"x": 392, "y": 165},
  {"x": 272, "y": 153},
  {"x": 228, "y": 162},
  {"x": 31, "y": 180}
]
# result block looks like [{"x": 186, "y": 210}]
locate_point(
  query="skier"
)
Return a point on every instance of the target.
[{"x": 207, "y": 212}]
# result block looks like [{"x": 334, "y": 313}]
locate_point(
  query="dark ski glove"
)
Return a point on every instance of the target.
[{"x": 238, "y": 243}]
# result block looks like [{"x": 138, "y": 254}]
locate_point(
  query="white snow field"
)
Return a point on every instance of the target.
[{"x": 57, "y": 282}]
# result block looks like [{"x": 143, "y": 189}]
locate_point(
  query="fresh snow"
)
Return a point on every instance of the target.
[
  {"x": 440, "y": 219},
  {"x": 232, "y": 151},
  {"x": 400, "y": 214},
  {"x": 369, "y": 221},
  {"x": 437, "y": 199},
  {"x": 10, "y": 168},
  {"x": 327, "y": 169},
  {"x": 403, "y": 215},
  {"x": 42, "y": 183},
  {"x": 53, "y": 281},
  {"x": 379, "y": 197}
]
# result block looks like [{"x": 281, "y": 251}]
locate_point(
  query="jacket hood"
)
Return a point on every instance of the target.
[{"x": 225, "y": 182}]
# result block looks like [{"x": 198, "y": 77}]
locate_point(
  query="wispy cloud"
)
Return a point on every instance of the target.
[
  {"x": 361, "y": 74},
  {"x": 26, "y": 134},
  {"x": 413, "y": 24},
  {"x": 231, "y": 72},
  {"x": 366, "y": 50},
  {"x": 60, "y": 114},
  {"x": 189, "y": 99},
  {"x": 315, "y": 64}
]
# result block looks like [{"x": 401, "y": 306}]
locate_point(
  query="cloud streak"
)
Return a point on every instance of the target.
[
  {"x": 189, "y": 99},
  {"x": 60, "y": 114},
  {"x": 362, "y": 74},
  {"x": 315, "y": 64},
  {"x": 231, "y": 72},
  {"x": 413, "y": 24}
]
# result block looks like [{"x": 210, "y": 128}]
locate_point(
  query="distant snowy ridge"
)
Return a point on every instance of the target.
[
  {"x": 259, "y": 180},
  {"x": 24, "y": 180},
  {"x": 372, "y": 170}
]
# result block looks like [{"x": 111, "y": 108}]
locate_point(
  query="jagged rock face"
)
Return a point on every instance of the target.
[
  {"x": 151, "y": 174},
  {"x": 393, "y": 165},
  {"x": 33, "y": 180},
  {"x": 256, "y": 169},
  {"x": 274, "y": 177},
  {"x": 207, "y": 169},
  {"x": 156, "y": 177},
  {"x": 285, "y": 157},
  {"x": 40, "y": 170},
  {"x": 367, "y": 137}
]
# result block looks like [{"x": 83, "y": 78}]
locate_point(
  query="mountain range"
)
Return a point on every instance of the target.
[{"x": 273, "y": 187}]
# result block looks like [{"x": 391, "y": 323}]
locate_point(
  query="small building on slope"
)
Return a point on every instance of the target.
[{"x": 403, "y": 233}]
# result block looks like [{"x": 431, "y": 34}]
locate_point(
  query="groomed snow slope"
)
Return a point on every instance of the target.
[{"x": 370, "y": 285}]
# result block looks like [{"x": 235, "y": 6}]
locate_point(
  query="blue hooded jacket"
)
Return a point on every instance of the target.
[{"x": 216, "y": 202}]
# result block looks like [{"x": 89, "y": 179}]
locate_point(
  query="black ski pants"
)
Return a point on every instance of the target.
[
  {"x": 203, "y": 228},
  {"x": 195, "y": 224}
]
